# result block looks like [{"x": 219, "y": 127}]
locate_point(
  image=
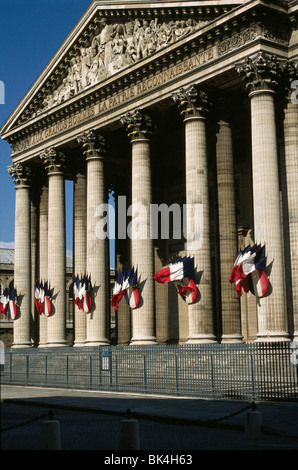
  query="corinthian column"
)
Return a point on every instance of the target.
[
  {"x": 43, "y": 257},
  {"x": 80, "y": 250},
  {"x": 22, "y": 254},
  {"x": 262, "y": 74},
  {"x": 94, "y": 148},
  {"x": 290, "y": 191},
  {"x": 194, "y": 107},
  {"x": 230, "y": 305},
  {"x": 56, "y": 323},
  {"x": 139, "y": 129}
]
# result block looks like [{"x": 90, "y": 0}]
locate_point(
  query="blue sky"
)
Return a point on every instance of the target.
[{"x": 31, "y": 31}]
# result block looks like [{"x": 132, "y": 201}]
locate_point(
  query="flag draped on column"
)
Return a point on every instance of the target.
[
  {"x": 126, "y": 285},
  {"x": 42, "y": 298},
  {"x": 181, "y": 272},
  {"x": 82, "y": 296},
  {"x": 249, "y": 271},
  {"x": 8, "y": 303}
]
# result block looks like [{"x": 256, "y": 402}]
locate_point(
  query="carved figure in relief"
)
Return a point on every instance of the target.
[
  {"x": 85, "y": 63},
  {"x": 76, "y": 73},
  {"x": 106, "y": 37},
  {"x": 92, "y": 71},
  {"x": 131, "y": 50},
  {"x": 48, "y": 102},
  {"x": 113, "y": 47},
  {"x": 66, "y": 92}
]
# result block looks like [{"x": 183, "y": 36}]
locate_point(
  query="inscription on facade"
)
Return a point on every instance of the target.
[{"x": 138, "y": 89}]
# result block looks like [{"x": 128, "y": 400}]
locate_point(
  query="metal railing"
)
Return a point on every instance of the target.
[{"x": 254, "y": 371}]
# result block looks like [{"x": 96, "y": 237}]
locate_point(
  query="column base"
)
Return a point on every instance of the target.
[
  {"x": 79, "y": 344},
  {"x": 143, "y": 340},
  {"x": 97, "y": 343},
  {"x": 295, "y": 336},
  {"x": 59, "y": 344},
  {"x": 272, "y": 337},
  {"x": 201, "y": 339},
  {"x": 228, "y": 339},
  {"x": 21, "y": 345}
]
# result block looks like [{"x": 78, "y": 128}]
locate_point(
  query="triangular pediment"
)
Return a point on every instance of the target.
[{"x": 109, "y": 37}]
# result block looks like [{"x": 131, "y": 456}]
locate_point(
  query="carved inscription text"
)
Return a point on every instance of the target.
[{"x": 139, "y": 89}]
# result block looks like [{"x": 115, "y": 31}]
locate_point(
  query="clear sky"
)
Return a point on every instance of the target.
[{"x": 31, "y": 31}]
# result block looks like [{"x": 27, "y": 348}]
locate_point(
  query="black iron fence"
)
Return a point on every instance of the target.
[{"x": 256, "y": 371}]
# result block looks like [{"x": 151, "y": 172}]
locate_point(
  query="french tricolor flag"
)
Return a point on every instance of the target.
[
  {"x": 76, "y": 289},
  {"x": 86, "y": 294},
  {"x": 118, "y": 292},
  {"x": 39, "y": 297},
  {"x": 8, "y": 303},
  {"x": 4, "y": 302},
  {"x": 42, "y": 298},
  {"x": 249, "y": 271},
  {"x": 181, "y": 272},
  {"x": 125, "y": 285},
  {"x": 47, "y": 307},
  {"x": 82, "y": 296},
  {"x": 12, "y": 308},
  {"x": 175, "y": 271},
  {"x": 187, "y": 289},
  {"x": 132, "y": 296}
]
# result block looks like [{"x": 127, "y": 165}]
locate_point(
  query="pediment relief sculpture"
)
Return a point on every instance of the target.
[{"x": 112, "y": 48}]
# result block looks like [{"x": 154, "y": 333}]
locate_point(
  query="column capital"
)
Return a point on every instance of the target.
[
  {"x": 138, "y": 125},
  {"x": 53, "y": 160},
  {"x": 21, "y": 174},
  {"x": 192, "y": 102},
  {"x": 93, "y": 145},
  {"x": 264, "y": 73}
]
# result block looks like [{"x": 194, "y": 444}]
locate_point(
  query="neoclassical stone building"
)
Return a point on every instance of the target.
[{"x": 191, "y": 104}]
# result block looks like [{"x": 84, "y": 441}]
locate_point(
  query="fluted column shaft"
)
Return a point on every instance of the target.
[
  {"x": 139, "y": 128},
  {"x": 96, "y": 259},
  {"x": 194, "y": 106},
  {"x": 142, "y": 248},
  {"x": 22, "y": 266},
  {"x": 197, "y": 200},
  {"x": 34, "y": 266},
  {"x": 56, "y": 331},
  {"x": 290, "y": 170},
  {"x": 272, "y": 320},
  {"x": 230, "y": 307},
  {"x": 43, "y": 257},
  {"x": 21, "y": 174},
  {"x": 80, "y": 250},
  {"x": 96, "y": 262},
  {"x": 54, "y": 162},
  {"x": 262, "y": 74}
]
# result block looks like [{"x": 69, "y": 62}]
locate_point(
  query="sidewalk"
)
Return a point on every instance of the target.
[{"x": 279, "y": 419}]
